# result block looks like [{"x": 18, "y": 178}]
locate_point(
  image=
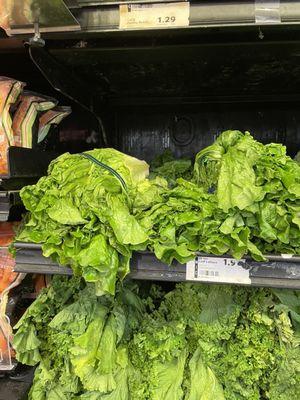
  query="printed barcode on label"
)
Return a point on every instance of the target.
[
  {"x": 132, "y": 7},
  {"x": 206, "y": 272}
]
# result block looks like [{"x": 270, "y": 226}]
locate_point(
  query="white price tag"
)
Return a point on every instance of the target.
[
  {"x": 217, "y": 269},
  {"x": 160, "y": 15}
]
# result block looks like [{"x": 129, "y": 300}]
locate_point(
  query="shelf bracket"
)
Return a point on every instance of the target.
[{"x": 36, "y": 40}]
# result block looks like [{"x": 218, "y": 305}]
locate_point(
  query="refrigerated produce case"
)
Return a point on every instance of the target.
[{"x": 143, "y": 87}]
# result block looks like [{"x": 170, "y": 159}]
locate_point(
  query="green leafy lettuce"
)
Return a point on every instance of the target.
[
  {"x": 166, "y": 166},
  {"x": 235, "y": 341},
  {"x": 195, "y": 342},
  {"x": 77, "y": 339},
  {"x": 82, "y": 215},
  {"x": 244, "y": 199}
]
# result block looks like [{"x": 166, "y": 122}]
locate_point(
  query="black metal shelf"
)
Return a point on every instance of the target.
[
  {"x": 29, "y": 259},
  {"x": 279, "y": 271},
  {"x": 27, "y": 163}
]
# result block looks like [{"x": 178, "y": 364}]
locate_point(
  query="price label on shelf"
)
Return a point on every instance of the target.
[
  {"x": 160, "y": 15},
  {"x": 218, "y": 269}
]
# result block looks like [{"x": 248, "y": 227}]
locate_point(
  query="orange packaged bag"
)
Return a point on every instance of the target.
[
  {"x": 9, "y": 92},
  {"x": 7, "y": 261},
  {"x": 7, "y": 274},
  {"x": 7, "y": 233}
]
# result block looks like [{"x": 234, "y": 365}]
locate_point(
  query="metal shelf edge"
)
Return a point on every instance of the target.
[
  {"x": 43, "y": 269},
  {"x": 145, "y": 266}
]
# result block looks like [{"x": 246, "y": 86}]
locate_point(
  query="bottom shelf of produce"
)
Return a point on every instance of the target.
[
  {"x": 282, "y": 271},
  {"x": 189, "y": 341}
]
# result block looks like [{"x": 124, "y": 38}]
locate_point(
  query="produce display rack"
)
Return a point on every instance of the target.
[
  {"x": 278, "y": 271},
  {"x": 100, "y": 20},
  {"x": 27, "y": 163}
]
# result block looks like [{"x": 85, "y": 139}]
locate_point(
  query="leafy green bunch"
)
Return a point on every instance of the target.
[
  {"x": 244, "y": 199},
  {"x": 82, "y": 214},
  {"x": 77, "y": 340},
  {"x": 195, "y": 342}
]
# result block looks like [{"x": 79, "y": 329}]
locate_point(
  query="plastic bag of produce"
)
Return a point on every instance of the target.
[
  {"x": 25, "y": 118},
  {"x": 8, "y": 280},
  {"x": 9, "y": 92},
  {"x": 6, "y": 332},
  {"x": 7, "y": 261},
  {"x": 7, "y": 274}
]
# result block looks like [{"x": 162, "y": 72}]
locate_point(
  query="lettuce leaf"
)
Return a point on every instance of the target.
[
  {"x": 204, "y": 384},
  {"x": 168, "y": 377}
]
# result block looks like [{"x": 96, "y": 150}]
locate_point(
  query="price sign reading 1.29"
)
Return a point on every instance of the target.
[
  {"x": 166, "y": 19},
  {"x": 157, "y": 15}
]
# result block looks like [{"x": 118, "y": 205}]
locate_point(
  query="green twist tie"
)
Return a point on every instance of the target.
[{"x": 107, "y": 167}]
